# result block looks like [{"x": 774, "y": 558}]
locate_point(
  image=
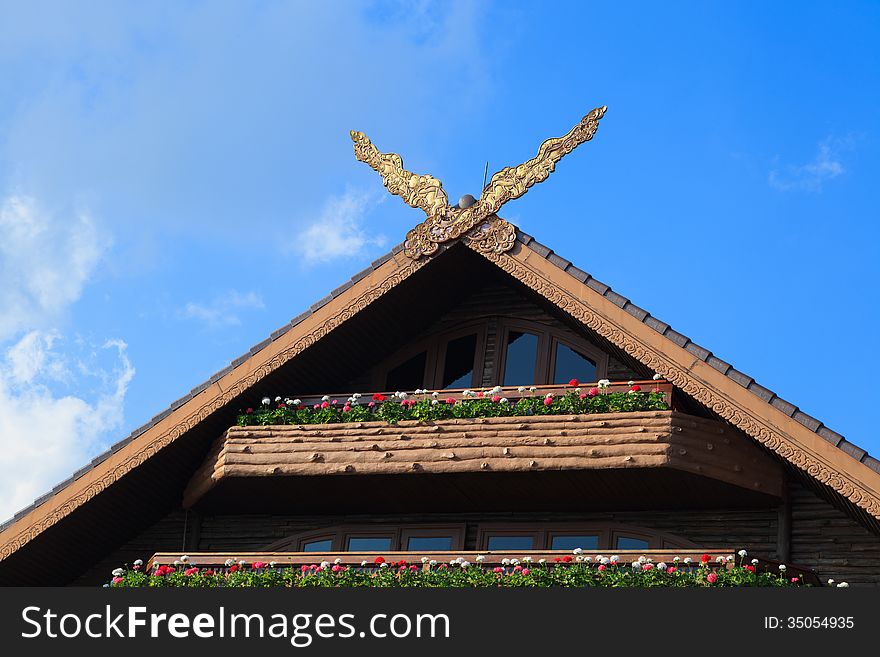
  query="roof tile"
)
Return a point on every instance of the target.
[
  {"x": 539, "y": 248},
  {"x": 786, "y": 407},
  {"x": 808, "y": 421},
  {"x": 853, "y": 450},
  {"x": 200, "y": 388},
  {"x": 676, "y": 337},
  {"x": 280, "y": 332},
  {"x": 397, "y": 249},
  {"x": 562, "y": 263},
  {"x": 698, "y": 351},
  {"x": 219, "y": 375},
  {"x": 320, "y": 303},
  {"x": 656, "y": 324},
  {"x": 831, "y": 436},
  {"x": 720, "y": 365},
  {"x": 524, "y": 238},
  {"x": 639, "y": 313},
  {"x": 601, "y": 288},
  {"x": 872, "y": 463},
  {"x": 579, "y": 274},
  {"x": 743, "y": 379},
  {"x": 296, "y": 320},
  {"x": 762, "y": 392},
  {"x": 615, "y": 298},
  {"x": 238, "y": 361},
  {"x": 378, "y": 262},
  {"x": 363, "y": 273},
  {"x": 342, "y": 288}
]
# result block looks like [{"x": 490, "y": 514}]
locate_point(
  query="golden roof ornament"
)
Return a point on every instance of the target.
[{"x": 475, "y": 220}]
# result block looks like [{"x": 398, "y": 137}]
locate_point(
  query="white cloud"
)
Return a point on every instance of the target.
[
  {"x": 45, "y": 436},
  {"x": 45, "y": 261},
  {"x": 339, "y": 231},
  {"x": 222, "y": 310},
  {"x": 825, "y": 166}
]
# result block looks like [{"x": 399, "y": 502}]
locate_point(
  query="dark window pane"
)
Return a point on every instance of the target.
[
  {"x": 369, "y": 543},
  {"x": 629, "y": 543},
  {"x": 511, "y": 542},
  {"x": 429, "y": 543},
  {"x": 322, "y": 545},
  {"x": 409, "y": 375},
  {"x": 458, "y": 370},
  {"x": 572, "y": 542},
  {"x": 572, "y": 365},
  {"x": 522, "y": 351}
]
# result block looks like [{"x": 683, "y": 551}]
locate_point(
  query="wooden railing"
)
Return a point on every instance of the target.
[
  {"x": 217, "y": 561},
  {"x": 511, "y": 393}
]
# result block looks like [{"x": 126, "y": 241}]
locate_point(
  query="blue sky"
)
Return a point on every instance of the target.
[{"x": 177, "y": 181}]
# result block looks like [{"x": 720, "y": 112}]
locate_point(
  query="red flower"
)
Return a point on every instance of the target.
[
  {"x": 647, "y": 566},
  {"x": 325, "y": 404},
  {"x": 557, "y": 559},
  {"x": 751, "y": 569},
  {"x": 414, "y": 567},
  {"x": 208, "y": 572},
  {"x": 670, "y": 570},
  {"x": 450, "y": 401},
  {"x": 593, "y": 392},
  {"x": 249, "y": 411},
  {"x": 346, "y": 408},
  {"x": 233, "y": 568},
  {"x": 379, "y": 560},
  {"x": 480, "y": 394},
  {"x": 567, "y": 558},
  {"x": 161, "y": 571},
  {"x": 711, "y": 578},
  {"x": 525, "y": 571},
  {"x": 379, "y": 397},
  {"x": 574, "y": 383},
  {"x": 548, "y": 401},
  {"x": 705, "y": 558},
  {"x": 496, "y": 398},
  {"x": 189, "y": 572},
  {"x": 316, "y": 406},
  {"x": 281, "y": 406},
  {"x": 601, "y": 567},
  {"x": 636, "y": 387},
  {"x": 117, "y": 580}
]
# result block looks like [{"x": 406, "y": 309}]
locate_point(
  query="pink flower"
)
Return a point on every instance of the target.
[
  {"x": 636, "y": 387},
  {"x": 189, "y": 572},
  {"x": 498, "y": 569},
  {"x": 517, "y": 569},
  {"x": 337, "y": 568},
  {"x": 371, "y": 404},
  {"x": 794, "y": 580},
  {"x": 496, "y": 398},
  {"x": 414, "y": 567},
  {"x": 260, "y": 564},
  {"x": 316, "y": 406},
  {"x": 548, "y": 401},
  {"x": 249, "y": 411},
  {"x": 711, "y": 578},
  {"x": 593, "y": 392},
  {"x": 480, "y": 394},
  {"x": 304, "y": 568},
  {"x": 601, "y": 567},
  {"x": 334, "y": 402},
  {"x": 525, "y": 571},
  {"x": 583, "y": 395},
  {"x": 346, "y": 408},
  {"x": 117, "y": 580},
  {"x": 670, "y": 570},
  {"x": 325, "y": 404},
  {"x": 647, "y": 566}
]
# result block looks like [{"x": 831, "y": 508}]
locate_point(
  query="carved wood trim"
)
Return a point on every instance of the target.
[
  {"x": 196, "y": 410},
  {"x": 682, "y": 375}
]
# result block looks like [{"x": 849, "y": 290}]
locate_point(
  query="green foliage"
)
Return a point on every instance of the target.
[
  {"x": 429, "y": 407},
  {"x": 461, "y": 574}
]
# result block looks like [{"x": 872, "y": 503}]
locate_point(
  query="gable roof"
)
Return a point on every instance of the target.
[{"x": 779, "y": 425}]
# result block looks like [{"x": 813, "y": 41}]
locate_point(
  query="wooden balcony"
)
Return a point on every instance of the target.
[{"x": 217, "y": 560}]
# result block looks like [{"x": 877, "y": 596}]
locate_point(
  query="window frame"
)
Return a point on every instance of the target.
[{"x": 607, "y": 533}]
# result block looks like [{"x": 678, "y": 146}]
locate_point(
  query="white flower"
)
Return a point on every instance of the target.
[
  {"x": 605, "y": 561},
  {"x": 532, "y": 389},
  {"x": 604, "y": 383},
  {"x": 297, "y": 402},
  {"x": 435, "y": 394},
  {"x": 642, "y": 559},
  {"x": 549, "y": 395},
  {"x": 661, "y": 565},
  {"x": 337, "y": 561},
  {"x": 521, "y": 389},
  {"x": 418, "y": 391},
  {"x": 402, "y": 395},
  {"x": 176, "y": 562},
  {"x": 577, "y": 391},
  {"x": 742, "y": 553},
  {"x": 229, "y": 562},
  {"x": 542, "y": 561},
  {"x": 364, "y": 562},
  {"x": 577, "y": 551},
  {"x": 754, "y": 562},
  {"x": 614, "y": 559},
  {"x": 325, "y": 564},
  {"x": 459, "y": 560},
  {"x": 579, "y": 558},
  {"x": 480, "y": 558},
  {"x": 503, "y": 400},
  {"x": 241, "y": 563},
  {"x": 272, "y": 564},
  {"x": 357, "y": 395},
  {"x": 782, "y": 567},
  {"x": 266, "y": 401},
  {"x": 527, "y": 560},
  {"x": 497, "y": 390},
  {"x": 432, "y": 563},
  {"x": 588, "y": 559},
  {"x": 830, "y": 582},
  {"x": 676, "y": 559},
  {"x": 424, "y": 559},
  {"x": 843, "y": 585},
  {"x": 719, "y": 559},
  {"x": 465, "y": 564},
  {"x": 657, "y": 377},
  {"x": 636, "y": 565},
  {"x": 514, "y": 562},
  {"x": 138, "y": 562},
  {"x": 118, "y": 572},
  {"x": 688, "y": 560},
  {"x": 630, "y": 383},
  {"x": 277, "y": 399},
  {"x": 467, "y": 393},
  {"x": 434, "y": 402},
  {"x": 184, "y": 558},
  {"x": 505, "y": 562},
  {"x": 383, "y": 565},
  {"x": 730, "y": 557},
  {"x": 325, "y": 398}
]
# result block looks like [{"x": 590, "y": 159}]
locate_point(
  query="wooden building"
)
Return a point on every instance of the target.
[{"x": 731, "y": 466}]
